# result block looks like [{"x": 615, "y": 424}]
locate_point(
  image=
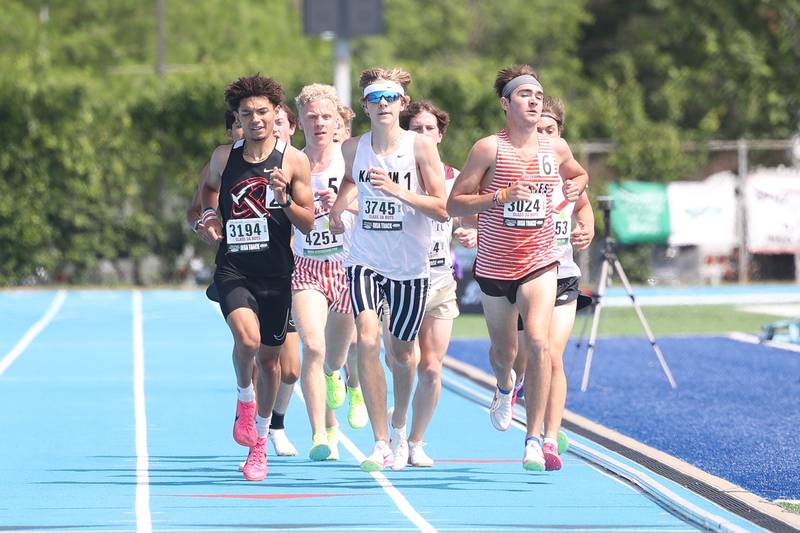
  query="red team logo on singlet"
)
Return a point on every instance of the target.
[{"x": 249, "y": 198}]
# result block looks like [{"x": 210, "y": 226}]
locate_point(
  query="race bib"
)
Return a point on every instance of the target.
[
  {"x": 320, "y": 242},
  {"x": 547, "y": 164},
  {"x": 270, "y": 200},
  {"x": 563, "y": 228},
  {"x": 526, "y": 213},
  {"x": 437, "y": 254},
  {"x": 247, "y": 234},
  {"x": 380, "y": 213}
]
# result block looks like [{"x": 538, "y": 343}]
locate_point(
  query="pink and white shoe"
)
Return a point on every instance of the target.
[
  {"x": 255, "y": 468},
  {"x": 244, "y": 427},
  {"x": 552, "y": 461},
  {"x": 380, "y": 458}
]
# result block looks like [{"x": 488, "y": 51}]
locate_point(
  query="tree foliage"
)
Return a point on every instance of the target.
[{"x": 98, "y": 156}]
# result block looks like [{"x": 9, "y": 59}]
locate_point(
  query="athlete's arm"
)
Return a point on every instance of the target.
[
  {"x": 583, "y": 233},
  {"x": 465, "y": 199},
  {"x": 300, "y": 208},
  {"x": 211, "y": 230},
  {"x": 348, "y": 191},
  {"x": 574, "y": 175},
  {"x": 195, "y": 209}
]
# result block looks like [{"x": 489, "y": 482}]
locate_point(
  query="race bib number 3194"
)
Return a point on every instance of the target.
[{"x": 247, "y": 234}]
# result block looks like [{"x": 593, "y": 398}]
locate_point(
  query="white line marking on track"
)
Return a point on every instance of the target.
[
  {"x": 31, "y": 334},
  {"x": 635, "y": 476},
  {"x": 144, "y": 520},
  {"x": 755, "y": 339},
  {"x": 400, "y": 501}
]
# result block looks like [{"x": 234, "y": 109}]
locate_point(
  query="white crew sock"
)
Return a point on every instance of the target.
[
  {"x": 262, "y": 426},
  {"x": 247, "y": 394}
]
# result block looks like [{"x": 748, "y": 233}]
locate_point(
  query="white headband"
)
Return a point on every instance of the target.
[
  {"x": 384, "y": 86},
  {"x": 509, "y": 87}
]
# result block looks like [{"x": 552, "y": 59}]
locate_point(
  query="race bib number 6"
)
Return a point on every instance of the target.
[
  {"x": 247, "y": 234},
  {"x": 380, "y": 213},
  {"x": 547, "y": 164}
]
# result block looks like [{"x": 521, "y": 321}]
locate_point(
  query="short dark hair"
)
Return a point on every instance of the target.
[
  {"x": 229, "y": 120},
  {"x": 554, "y": 107},
  {"x": 509, "y": 73},
  {"x": 250, "y": 86},
  {"x": 289, "y": 113},
  {"x": 418, "y": 106}
]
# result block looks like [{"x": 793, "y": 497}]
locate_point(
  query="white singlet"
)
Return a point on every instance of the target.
[
  {"x": 389, "y": 236},
  {"x": 562, "y": 222},
  {"x": 320, "y": 243},
  {"x": 440, "y": 255}
]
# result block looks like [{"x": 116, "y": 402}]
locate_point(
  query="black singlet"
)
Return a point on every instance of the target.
[{"x": 245, "y": 194}]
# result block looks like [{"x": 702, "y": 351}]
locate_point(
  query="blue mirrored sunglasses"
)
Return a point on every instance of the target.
[{"x": 389, "y": 96}]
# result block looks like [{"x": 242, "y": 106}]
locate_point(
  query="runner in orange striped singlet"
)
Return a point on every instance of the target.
[{"x": 508, "y": 180}]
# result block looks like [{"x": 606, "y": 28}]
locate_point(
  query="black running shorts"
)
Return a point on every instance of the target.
[{"x": 269, "y": 298}]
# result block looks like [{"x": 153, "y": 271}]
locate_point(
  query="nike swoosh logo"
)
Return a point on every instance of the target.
[
  {"x": 282, "y": 336},
  {"x": 563, "y": 297}
]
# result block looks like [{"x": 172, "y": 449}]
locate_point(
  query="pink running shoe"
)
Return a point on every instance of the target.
[
  {"x": 244, "y": 427},
  {"x": 552, "y": 461},
  {"x": 255, "y": 468}
]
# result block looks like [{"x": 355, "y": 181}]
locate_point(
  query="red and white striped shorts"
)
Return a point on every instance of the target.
[{"x": 327, "y": 277}]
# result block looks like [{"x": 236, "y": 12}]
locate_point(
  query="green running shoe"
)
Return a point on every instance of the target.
[
  {"x": 357, "y": 415},
  {"x": 335, "y": 390},
  {"x": 319, "y": 447}
]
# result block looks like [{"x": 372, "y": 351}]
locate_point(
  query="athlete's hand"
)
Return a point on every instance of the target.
[
  {"x": 582, "y": 236},
  {"x": 518, "y": 191},
  {"x": 467, "y": 237},
  {"x": 382, "y": 182},
  {"x": 211, "y": 231},
  {"x": 326, "y": 198},
  {"x": 335, "y": 223},
  {"x": 571, "y": 190},
  {"x": 279, "y": 184}
]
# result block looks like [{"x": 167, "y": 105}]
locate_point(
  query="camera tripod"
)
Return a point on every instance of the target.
[{"x": 610, "y": 261}]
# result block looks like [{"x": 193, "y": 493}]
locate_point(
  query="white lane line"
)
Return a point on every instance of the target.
[
  {"x": 755, "y": 339},
  {"x": 31, "y": 334},
  {"x": 400, "y": 501},
  {"x": 639, "y": 478},
  {"x": 144, "y": 520}
]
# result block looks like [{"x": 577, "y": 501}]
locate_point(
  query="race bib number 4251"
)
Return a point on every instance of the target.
[
  {"x": 320, "y": 241},
  {"x": 247, "y": 234},
  {"x": 380, "y": 213}
]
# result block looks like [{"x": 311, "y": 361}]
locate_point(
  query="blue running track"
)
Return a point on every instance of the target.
[{"x": 116, "y": 413}]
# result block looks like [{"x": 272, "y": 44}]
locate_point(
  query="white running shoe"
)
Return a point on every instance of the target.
[
  {"x": 502, "y": 409},
  {"x": 281, "y": 443},
  {"x": 534, "y": 457},
  {"x": 380, "y": 458},
  {"x": 417, "y": 456},
  {"x": 399, "y": 444}
]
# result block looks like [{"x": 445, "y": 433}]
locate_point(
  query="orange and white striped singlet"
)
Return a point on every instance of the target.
[{"x": 519, "y": 237}]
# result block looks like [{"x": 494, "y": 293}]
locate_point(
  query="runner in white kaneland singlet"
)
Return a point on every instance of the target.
[{"x": 398, "y": 178}]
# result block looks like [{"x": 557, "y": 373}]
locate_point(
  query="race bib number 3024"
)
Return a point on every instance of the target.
[{"x": 526, "y": 213}]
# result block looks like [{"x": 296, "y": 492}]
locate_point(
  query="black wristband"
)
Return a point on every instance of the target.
[{"x": 288, "y": 202}]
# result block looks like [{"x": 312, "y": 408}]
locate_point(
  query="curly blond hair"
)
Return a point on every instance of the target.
[{"x": 316, "y": 91}]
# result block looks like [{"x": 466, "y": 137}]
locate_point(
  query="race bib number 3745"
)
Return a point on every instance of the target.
[{"x": 379, "y": 213}]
